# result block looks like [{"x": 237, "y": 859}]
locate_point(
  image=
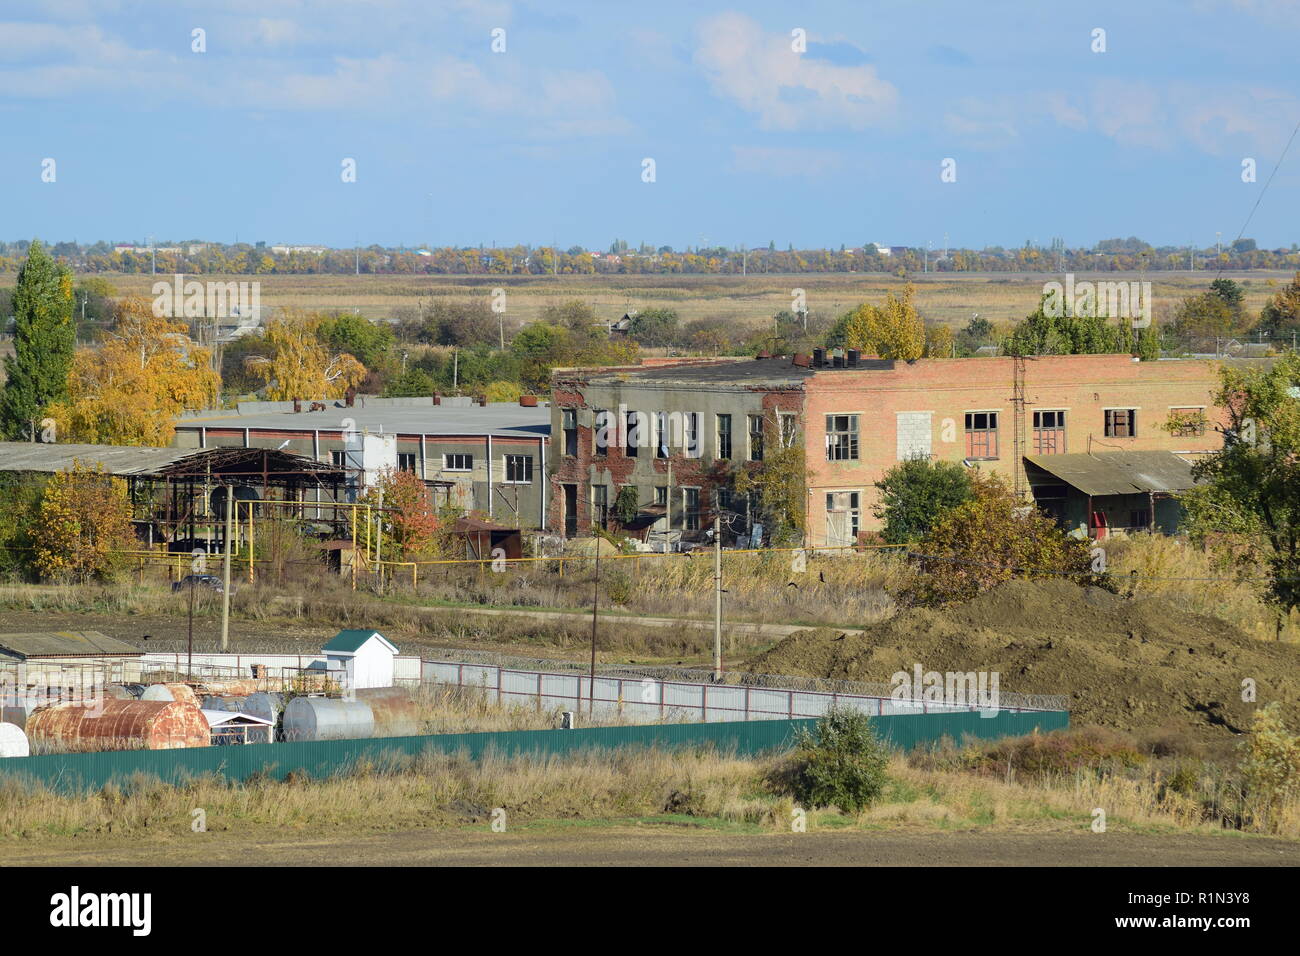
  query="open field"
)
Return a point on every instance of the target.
[
  {"x": 650, "y": 843},
  {"x": 950, "y": 298}
]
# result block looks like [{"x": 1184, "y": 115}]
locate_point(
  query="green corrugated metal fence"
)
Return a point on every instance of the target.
[{"x": 90, "y": 771}]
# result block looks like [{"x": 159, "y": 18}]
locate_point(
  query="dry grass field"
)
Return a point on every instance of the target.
[{"x": 951, "y": 298}]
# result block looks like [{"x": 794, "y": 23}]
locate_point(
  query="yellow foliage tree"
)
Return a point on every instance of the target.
[
  {"x": 893, "y": 330},
  {"x": 300, "y": 365},
  {"x": 938, "y": 342},
  {"x": 130, "y": 389},
  {"x": 85, "y": 516}
]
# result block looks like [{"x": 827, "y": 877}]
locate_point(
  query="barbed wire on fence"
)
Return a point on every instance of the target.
[{"x": 658, "y": 672}]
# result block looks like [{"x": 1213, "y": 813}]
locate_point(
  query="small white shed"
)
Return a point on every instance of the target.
[{"x": 365, "y": 659}]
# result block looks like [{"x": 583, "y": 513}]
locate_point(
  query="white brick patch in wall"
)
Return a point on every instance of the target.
[{"x": 913, "y": 435}]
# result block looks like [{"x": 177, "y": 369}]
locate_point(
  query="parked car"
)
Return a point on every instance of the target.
[{"x": 210, "y": 581}]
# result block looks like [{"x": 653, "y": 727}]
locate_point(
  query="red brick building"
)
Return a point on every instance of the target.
[{"x": 676, "y": 432}]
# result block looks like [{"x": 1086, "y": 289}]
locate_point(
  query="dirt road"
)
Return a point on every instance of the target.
[{"x": 649, "y": 845}]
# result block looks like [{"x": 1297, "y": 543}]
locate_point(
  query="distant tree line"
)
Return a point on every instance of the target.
[{"x": 206, "y": 258}]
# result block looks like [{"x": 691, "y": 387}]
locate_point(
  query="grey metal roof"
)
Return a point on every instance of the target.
[
  {"x": 116, "y": 459},
  {"x": 504, "y": 419},
  {"x": 1118, "y": 472},
  {"x": 65, "y": 644}
]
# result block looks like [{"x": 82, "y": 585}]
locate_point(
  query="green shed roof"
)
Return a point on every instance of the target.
[{"x": 350, "y": 641}]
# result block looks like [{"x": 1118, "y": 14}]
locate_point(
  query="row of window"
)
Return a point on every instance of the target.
[
  {"x": 518, "y": 469},
  {"x": 661, "y": 432},
  {"x": 601, "y": 502},
  {"x": 981, "y": 429}
]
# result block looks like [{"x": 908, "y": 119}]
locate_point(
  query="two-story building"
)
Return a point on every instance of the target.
[{"x": 676, "y": 432}]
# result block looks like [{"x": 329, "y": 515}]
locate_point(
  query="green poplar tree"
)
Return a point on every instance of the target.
[{"x": 44, "y": 338}]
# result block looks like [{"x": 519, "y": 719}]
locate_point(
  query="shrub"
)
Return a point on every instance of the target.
[
  {"x": 1058, "y": 752},
  {"x": 1271, "y": 766},
  {"x": 992, "y": 538},
  {"x": 841, "y": 763}
]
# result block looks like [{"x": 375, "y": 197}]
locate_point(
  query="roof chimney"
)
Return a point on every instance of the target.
[
  {"x": 853, "y": 355},
  {"x": 819, "y": 358}
]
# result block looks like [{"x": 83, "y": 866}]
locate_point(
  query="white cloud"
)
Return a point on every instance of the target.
[
  {"x": 1211, "y": 119},
  {"x": 406, "y": 78},
  {"x": 762, "y": 74}
]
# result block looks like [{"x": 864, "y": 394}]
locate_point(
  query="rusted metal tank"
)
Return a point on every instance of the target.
[
  {"x": 394, "y": 709},
  {"x": 119, "y": 725},
  {"x": 13, "y": 742},
  {"x": 171, "y": 691},
  {"x": 327, "y": 718}
]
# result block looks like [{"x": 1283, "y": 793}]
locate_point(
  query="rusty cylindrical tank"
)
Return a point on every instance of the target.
[
  {"x": 120, "y": 725},
  {"x": 173, "y": 690},
  {"x": 396, "y": 714}
]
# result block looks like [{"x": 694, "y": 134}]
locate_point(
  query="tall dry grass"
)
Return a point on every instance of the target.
[{"x": 1196, "y": 580}]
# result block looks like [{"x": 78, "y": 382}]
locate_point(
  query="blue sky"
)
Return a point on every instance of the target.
[{"x": 752, "y": 141}]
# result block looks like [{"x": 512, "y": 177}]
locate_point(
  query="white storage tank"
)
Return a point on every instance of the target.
[
  {"x": 268, "y": 706},
  {"x": 229, "y": 704},
  {"x": 326, "y": 718},
  {"x": 13, "y": 742}
]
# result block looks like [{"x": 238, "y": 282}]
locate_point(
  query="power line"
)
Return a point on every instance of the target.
[{"x": 1267, "y": 183}]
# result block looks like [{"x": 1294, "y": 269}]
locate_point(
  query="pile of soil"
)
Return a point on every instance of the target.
[{"x": 1136, "y": 664}]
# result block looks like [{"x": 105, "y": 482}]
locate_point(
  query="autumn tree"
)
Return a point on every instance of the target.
[
  {"x": 993, "y": 537},
  {"x": 893, "y": 330},
  {"x": 36, "y": 375},
  {"x": 409, "y": 521},
  {"x": 84, "y": 517},
  {"x": 300, "y": 364},
  {"x": 1280, "y": 317},
  {"x": 1250, "y": 488},
  {"x": 779, "y": 485},
  {"x": 130, "y": 390}
]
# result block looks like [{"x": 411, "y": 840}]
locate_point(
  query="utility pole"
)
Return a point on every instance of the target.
[
  {"x": 189, "y": 643},
  {"x": 379, "y": 539},
  {"x": 717, "y": 598},
  {"x": 595, "y": 601},
  {"x": 225, "y": 569},
  {"x": 153, "y": 258}
]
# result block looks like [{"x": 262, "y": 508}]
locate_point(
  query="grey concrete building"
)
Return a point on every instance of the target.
[{"x": 490, "y": 459}]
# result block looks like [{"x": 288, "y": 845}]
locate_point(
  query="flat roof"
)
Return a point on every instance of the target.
[
  {"x": 503, "y": 419},
  {"x": 742, "y": 373},
  {"x": 1118, "y": 472},
  {"x": 116, "y": 459},
  {"x": 40, "y": 644}
]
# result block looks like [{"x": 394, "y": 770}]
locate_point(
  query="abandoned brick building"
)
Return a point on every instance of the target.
[{"x": 677, "y": 431}]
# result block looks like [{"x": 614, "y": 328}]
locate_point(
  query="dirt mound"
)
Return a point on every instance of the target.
[{"x": 1136, "y": 664}]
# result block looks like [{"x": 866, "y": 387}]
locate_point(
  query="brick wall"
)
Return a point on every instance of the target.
[{"x": 892, "y": 406}]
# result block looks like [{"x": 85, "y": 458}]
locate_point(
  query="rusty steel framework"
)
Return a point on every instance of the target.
[{"x": 174, "y": 502}]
